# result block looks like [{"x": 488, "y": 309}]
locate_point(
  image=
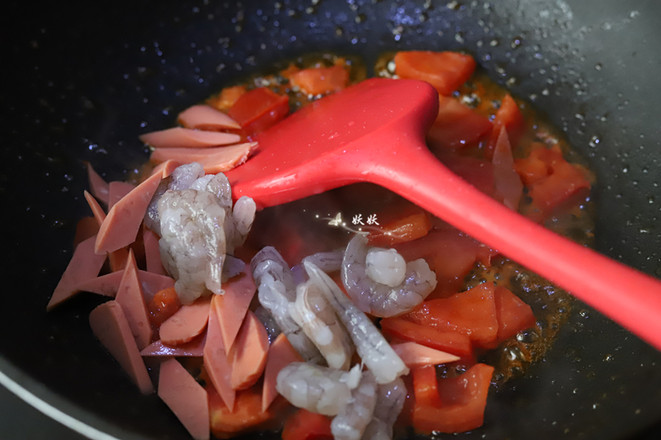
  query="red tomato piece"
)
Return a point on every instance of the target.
[
  {"x": 462, "y": 400},
  {"x": 247, "y": 415},
  {"x": 425, "y": 386},
  {"x": 405, "y": 228},
  {"x": 320, "y": 80},
  {"x": 163, "y": 305},
  {"x": 552, "y": 181},
  {"x": 446, "y": 71},
  {"x": 306, "y": 425},
  {"x": 450, "y": 342},
  {"x": 457, "y": 125},
  {"x": 477, "y": 172},
  {"x": 471, "y": 313},
  {"x": 449, "y": 254},
  {"x": 258, "y": 109},
  {"x": 514, "y": 315},
  {"x": 509, "y": 116}
]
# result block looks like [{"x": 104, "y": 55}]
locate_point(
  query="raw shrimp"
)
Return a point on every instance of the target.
[
  {"x": 352, "y": 420},
  {"x": 276, "y": 291},
  {"x": 390, "y": 399},
  {"x": 198, "y": 228},
  {"x": 318, "y": 389},
  {"x": 192, "y": 241},
  {"x": 182, "y": 177},
  {"x": 372, "y": 347},
  {"x": 318, "y": 320},
  {"x": 381, "y": 283},
  {"x": 326, "y": 261},
  {"x": 271, "y": 327},
  {"x": 239, "y": 219}
]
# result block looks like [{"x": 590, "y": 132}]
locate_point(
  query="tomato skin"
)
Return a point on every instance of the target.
[
  {"x": 446, "y": 71},
  {"x": 306, "y": 425},
  {"x": 258, "y": 109},
  {"x": 458, "y": 405},
  {"x": 457, "y": 126}
]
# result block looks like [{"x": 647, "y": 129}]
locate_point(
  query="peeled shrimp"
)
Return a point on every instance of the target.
[
  {"x": 198, "y": 228},
  {"x": 326, "y": 261},
  {"x": 352, "y": 420},
  {"x": 390, "y": 399},
  {"x": 239, "y": 219},
  {"x": 192, "y": 241},
  {"x": 380, "y": 282},
  {"x": 276, "y": 291},
  {"x": 181, "y": 178},
  {"x": 372, "y": 347},
  {"x": 318, "y": 320},
  {"x": 318, "y": 389}
]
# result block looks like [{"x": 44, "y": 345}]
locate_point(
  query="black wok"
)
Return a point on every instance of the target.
[{"x": 81, "y": 82}]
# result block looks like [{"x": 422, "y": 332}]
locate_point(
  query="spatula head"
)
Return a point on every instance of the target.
[{"x": 336, "y": 140}]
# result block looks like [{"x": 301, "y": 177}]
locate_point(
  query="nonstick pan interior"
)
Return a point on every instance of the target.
[{"x": 82, "y": 82}]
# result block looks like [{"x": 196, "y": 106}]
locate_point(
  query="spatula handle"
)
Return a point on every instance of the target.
[{"x": 629, "y": 297}]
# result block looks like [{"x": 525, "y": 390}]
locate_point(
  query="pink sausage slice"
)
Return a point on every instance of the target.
[
  {"x": 152, "y": 252},
  {"x": 248, "y": 354},
  {"x": 97, "y": 210},
  {"x": 98, "y": 186},
  {"x": 85, "y": 264},
  {"x": 215, "y": 360},
  {"x": 185, "y": 397},
  {"x": 152, "y": 283},
  {"x": 122, "y": 224},
  {"x": 418, "y": 355},
  {"x": 280, "y": 354},
  {"x": 179, "y": 137},
  {"x": 214, "y": 160},
  {"x": 232, "y": 306},
  {"x": 117, "y": 190},
  {"x": 111, "y": 328},
  {"x": 204, "y": 117},
  {"x": 106, "y": 285},
  {"x": 186, "y": 323},
  {"x": 130, "y": 297},
  {"x": 194, "y": 348}
]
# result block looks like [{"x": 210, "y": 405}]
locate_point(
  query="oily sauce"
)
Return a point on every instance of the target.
[{"x": 324, "y": 222}]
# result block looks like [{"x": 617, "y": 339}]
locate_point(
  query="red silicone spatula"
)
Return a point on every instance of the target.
[{"x": 374, "y": 132}]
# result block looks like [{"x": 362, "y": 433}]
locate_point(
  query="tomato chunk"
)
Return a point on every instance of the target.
[
  {"x": 460, "y": 404},
  {"x": 514, "y": 315},
  {"x": 163, "y": 305},
  {"x": 306, "y": 425},
  {"x": 446, "y": 71},
  {"x": 472, "y": 313},
  {"x": 247, "y": 415},
  {"x": 457, "y": 125},
  {"x": 509, "y": 116},
  {"x": 400, "y": 230},
  {"x": 449, "y": 254},
  {"x": 258, "y": 109},
  {"x": 551, "y": 180},
  {"x": 320, "y": 80},
  {"x": 450, "y": 342}
]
